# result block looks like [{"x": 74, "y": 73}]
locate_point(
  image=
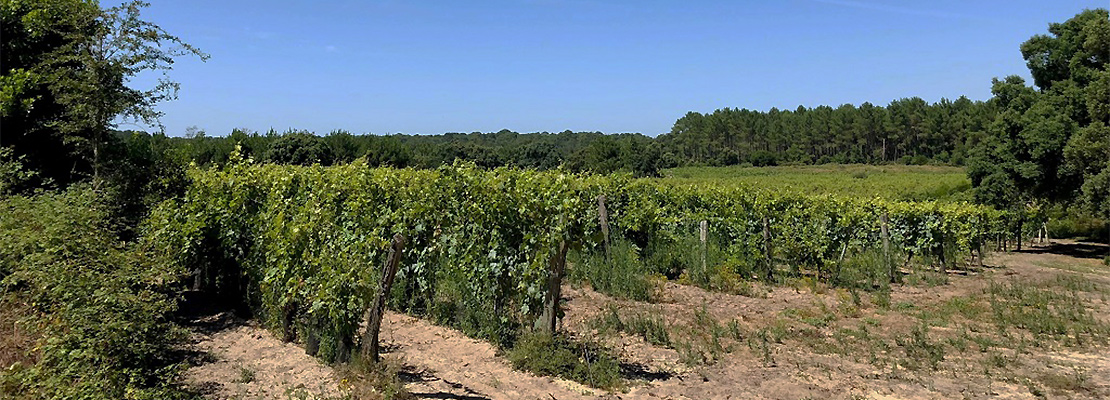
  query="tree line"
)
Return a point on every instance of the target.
[{"x": 907, "y": 131}]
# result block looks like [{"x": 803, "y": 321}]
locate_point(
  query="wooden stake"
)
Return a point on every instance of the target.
[
  {"x": 767, "y": 250},
  {"x": 370, "y": 346},
  {"x": 549, "y": 320},
  {"x": 704, "y": 230},
  {"x": 884, "y": 221},
  {"x": 603, "y": 215}
]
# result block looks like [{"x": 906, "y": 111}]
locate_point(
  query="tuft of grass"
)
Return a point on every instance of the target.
[
  {"x": 920, "y": 351},
  {"x": 246, "y": 375},
  {"x": 585, "y": 362},
  {"x": 706, "y": 339},
  {"x": 1077, "y": 381}
]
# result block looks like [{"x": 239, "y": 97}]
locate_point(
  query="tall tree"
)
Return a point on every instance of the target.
[
  {"x": 65, "y": 78},
  {"x": 1050, "y": 141}
]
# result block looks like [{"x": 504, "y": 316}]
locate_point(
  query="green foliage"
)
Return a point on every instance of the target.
[
  {"x": 299, "y": 148},
  {"x": 894, "y": 182},
  {"x": 1050, "y": 309},
  {"x": 1051, "y": 142},
  {"x": 294, "y": 243},
  {"x": 920, "y": 350},
  {"x": 584, "y": 362},
  {"x": 650, "y": 326},
  {"x": 13, "y": 174},
  {"x": 104, "y": 305},
  {"x": 910, "y": 131}
]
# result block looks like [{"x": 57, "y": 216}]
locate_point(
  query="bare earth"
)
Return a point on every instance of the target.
[
  {"x": 440, "y": 363},
  {"x": 240, "y": 360}
]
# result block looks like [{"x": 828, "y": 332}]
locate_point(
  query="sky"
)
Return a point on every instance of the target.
[{"x": 429, "y": 67}]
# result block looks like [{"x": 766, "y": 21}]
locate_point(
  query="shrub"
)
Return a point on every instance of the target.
[
  {"x": 104, "y": 306},
  {"x": 585, "y": 362}
]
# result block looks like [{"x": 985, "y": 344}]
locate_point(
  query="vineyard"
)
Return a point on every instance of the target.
[{"x": 300, "y": 246}]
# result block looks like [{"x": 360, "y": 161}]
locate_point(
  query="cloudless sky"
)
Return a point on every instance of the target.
[{"x": 586, "y": 65}]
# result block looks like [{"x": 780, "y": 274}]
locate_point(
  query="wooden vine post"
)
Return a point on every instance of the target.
[
  {"x": 704, "y": 230},
  {"x": 370, "y": 346},
  {"x": 549, "y": 320},
  {"x": 768, "y": 252},
  {"x": 603, "y": 216},
  {"x": 884, "y": 223}
]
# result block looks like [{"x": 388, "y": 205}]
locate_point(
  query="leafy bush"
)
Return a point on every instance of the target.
[{"x": 104, "y": 306}]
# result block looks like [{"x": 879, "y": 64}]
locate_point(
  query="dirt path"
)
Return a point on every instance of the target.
[{"x": 236, "y": 359}]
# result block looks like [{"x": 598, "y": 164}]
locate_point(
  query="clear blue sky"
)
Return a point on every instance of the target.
[{"x": 586, "y": 65}]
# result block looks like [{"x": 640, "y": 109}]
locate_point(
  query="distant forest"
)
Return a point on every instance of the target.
[{"x": 907, "y": 131}]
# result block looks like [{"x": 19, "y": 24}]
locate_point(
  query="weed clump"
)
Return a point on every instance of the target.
[{"x": 558, "y": 355}]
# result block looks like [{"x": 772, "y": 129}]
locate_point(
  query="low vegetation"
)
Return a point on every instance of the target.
[{"x": 578, "y": 360}]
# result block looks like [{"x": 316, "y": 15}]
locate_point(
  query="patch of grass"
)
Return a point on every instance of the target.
[
  {"x": 650, "y": 326},
  {"x": 622, "y": 274},
  {"x": 1066, "y": 266},
  {"x": 365, "y": 379},
  {"x": 920, "y": 350},
  {"x": 1076, "y": 381},
  {"x": 582, "y": 361},
  {"x": 1046, "y": 309},
  {"x": 942, "y": 314},
  {"x": 905, "y": 182},
  {"x": 706, "y": 339},
  {"x": 819, "y": 316}
]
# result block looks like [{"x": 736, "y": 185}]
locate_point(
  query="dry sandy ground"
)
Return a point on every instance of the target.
[
  {"x": 240, "y": 360},
  {"x": 440, "y": 363},
  {"x": 452, "y": 365}
]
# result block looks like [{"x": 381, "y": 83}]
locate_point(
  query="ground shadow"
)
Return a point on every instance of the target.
[
  {"x": 637, "y": 371},
  {"x": 1078, "y": 249},
  {"x": 410, "y": 374},
  {"x": 444, "y": 395}
]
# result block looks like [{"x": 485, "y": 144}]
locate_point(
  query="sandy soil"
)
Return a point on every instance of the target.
[
  {"x": 442, "y": 363},
  {"x": 237, "y": 359},
  {"x": 450, "y": 365}
]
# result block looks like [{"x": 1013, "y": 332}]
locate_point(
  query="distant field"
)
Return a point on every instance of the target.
[{"x": 904, "y": 182}]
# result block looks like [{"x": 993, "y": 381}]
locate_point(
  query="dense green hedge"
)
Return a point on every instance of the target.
[
  {"x": 102, "y": 308},
  {"x": 303, "y": 244}
]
